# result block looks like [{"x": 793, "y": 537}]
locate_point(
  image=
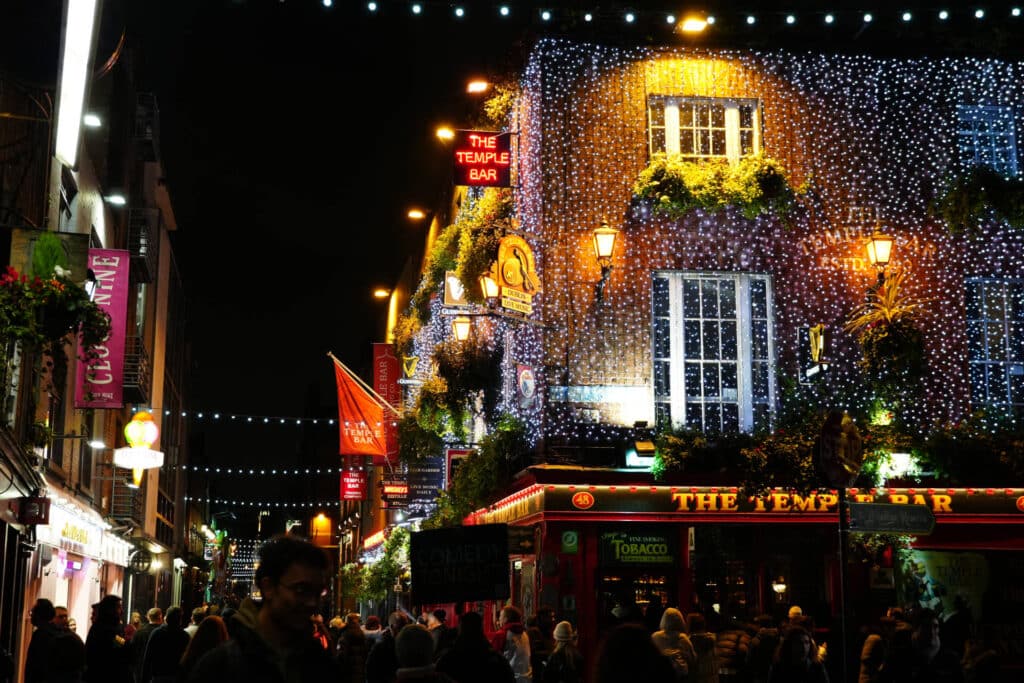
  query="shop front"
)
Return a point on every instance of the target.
[{"x": 607, "y": 550}]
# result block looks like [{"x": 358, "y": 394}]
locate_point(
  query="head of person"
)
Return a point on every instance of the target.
[
  {"x": 173, "y": 618},
  {"x": 292, "y": 577},
  {"x": 627, "y": 654},
  {"x": 436, "y": 618},
  {"x": 396, "y": 622},
  {"x": 136, "y": 619},
  {"x": 564, "y": 634},
  {"x": 695, "y": 623},
  {"x": 545, "y": 619},
  {"x": 42, "y": 612},
  {"x": 60, "y": 617},
  {"x": 109, "y": 610},
  {"x": 155, "y": 615},
  {"x": 510, "y": 615},
  {"x": 672, "y": 620},
  {"x": 72, "y": 624},
  {"x": 926, "y": 632},
  {"x": 353, "y": 620},
  {"x": 211, "y": 632},
  {"x": 198, "y": 614},
  {"x": 373, "y": 623},
  {"x": 797, "y": 646},
  {"x": 414, "y": 647},
  {"x": 795, "y": 611},
  {"x": 471, "y": 627}
]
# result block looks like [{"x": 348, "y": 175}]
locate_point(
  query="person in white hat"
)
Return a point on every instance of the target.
[{"x": 565, "y": 665}]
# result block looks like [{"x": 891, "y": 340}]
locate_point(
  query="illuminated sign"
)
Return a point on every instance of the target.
[
  {"x": 517, "y": 274},
  {"x": 373, "y": 540},
  {"x": 624, "y": 548},
  {"x": 353, "y": 485},
  {"x": 395, "y": 493},
  {"x": 483, "y": 158}
]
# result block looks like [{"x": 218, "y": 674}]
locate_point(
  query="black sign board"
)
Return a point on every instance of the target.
[
  {"x": 426, "y": 478},
  {"x": 885, "y": 518},
  {"x": 460, "y": 564},
  {"x": 638, "y": 549}
]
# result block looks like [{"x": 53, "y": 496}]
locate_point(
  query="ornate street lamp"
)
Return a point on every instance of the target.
[
  {"x": 604, "y": 248},
  {"x": 461, "y": 327},
  {"x": 879, "y": 247}
]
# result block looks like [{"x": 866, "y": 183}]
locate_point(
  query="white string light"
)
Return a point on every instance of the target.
[
  {"x": 263, "y": 471},
  {"x": 264, "y": 503}
]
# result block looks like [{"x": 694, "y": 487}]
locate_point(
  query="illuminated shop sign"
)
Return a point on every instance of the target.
[
  {"x": 630, "y": 549},
  {"x": 483, "y": 158}
]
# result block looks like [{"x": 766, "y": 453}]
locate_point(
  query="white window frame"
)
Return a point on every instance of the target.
[
  {"x": 677, "y": 359},
  {"x": 994, "y": 359},
  {"x": 671, "y": 131},
  {"x": 1000, "y": 123}
]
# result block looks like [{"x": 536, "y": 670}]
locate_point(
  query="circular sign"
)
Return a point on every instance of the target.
[
  {"x": 140, "y": 561},
  {"x": 583, "y": 500},
  {"x": 1020, "y": 503}
]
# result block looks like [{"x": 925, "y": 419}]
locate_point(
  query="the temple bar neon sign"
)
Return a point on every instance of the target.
[{"x": 483, "y": 158}]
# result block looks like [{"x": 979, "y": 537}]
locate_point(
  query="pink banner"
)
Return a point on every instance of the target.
[
  {"x": 385, "y": 383},
  {"x": 101, "y": 384}
]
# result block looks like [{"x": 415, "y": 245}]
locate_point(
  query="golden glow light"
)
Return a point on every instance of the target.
[
  {"x": 489, "y": 287},
  {"x": 445, "y": 133},
  {"x": 416, "y": 214},
  {"x": 142, "y": 431},
  {"x": 461, "y": 327},
  {"x": 476, "y": 87},
  {"x": 879, "y": 249},
  {"x": 693, "y": 25},
  {"x": 381, "y": 293},
  {"x": 604, "y": 243}
]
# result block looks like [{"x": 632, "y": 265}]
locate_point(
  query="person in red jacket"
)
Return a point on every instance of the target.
[{"x": 512, "y": 642}]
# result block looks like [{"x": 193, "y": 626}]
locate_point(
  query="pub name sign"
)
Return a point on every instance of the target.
[{"x": 483, "y": 158}]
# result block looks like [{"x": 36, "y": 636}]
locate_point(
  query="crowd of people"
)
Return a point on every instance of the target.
[{"x": 283, "y": 640}]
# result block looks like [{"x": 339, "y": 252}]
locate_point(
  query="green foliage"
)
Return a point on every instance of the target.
[
  {"x": 980, "y": 450},
  {"x": 756, "y": 186},
  {"x": 437, "y": 413},
  {"x": 353, "y": 581},
  {"x": 498, "y": 107},
  {"x": 868, "y": 548},
  {"x": 478, "y": 250},
  {"x": 47, "y": 255},
  {"x": 468, "y": 370},
  {"x": 688, "y": 450},
  {"x": 483, "y": 474},
  {"x": 416, "y": 443},
  {"x": 378, "y": 578},
  {"x": 979, "y": 196},
  {"x": 784, "y": 458}
]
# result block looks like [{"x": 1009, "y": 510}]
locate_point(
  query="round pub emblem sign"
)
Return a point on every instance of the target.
[{"x": 583, "y": 500}]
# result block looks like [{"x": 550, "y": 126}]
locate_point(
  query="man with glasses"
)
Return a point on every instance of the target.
[
  {"x": 274, "y": 642},
  {"x": 60, "y": 619}
]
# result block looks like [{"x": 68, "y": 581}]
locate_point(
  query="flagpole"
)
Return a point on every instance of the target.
[{"x": 364, "y": 385}]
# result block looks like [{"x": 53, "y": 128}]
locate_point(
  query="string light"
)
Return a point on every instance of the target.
[
  {"x": 264, "y": 503},
  {"x": 261, "y": 471}
]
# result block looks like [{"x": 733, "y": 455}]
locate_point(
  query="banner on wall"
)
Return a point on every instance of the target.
[
  {"x": 945, "y": 581},
  {"x": 101, "y": 384},
  {"x": 386, "y": 374},
  {"x": 526, "y": 387},
  {"x": 360, "y": 417}
]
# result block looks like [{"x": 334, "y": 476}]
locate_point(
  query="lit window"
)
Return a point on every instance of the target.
[
  {"x": 703, "y": 128},
  {"x": 713, "y": 351},
  {"x": 986, "y": 137},
  {"x": 995, "y": 343}
]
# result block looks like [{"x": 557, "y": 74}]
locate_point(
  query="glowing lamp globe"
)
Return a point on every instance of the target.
[{"x": 140, "y": 433}]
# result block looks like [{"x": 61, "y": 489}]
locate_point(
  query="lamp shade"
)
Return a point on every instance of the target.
[
  {"x": 489, "y": 287},
  {"x": 879, "y": 249},
  {"x": 461, "y": 327},
  {"x": 604, "y": 243}
]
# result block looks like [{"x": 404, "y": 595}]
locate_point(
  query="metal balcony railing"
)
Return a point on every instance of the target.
[
  {"x": 143, "y": 240},
  {"x": 126, "y": 503},
  {"x": 137, "y": 371}
]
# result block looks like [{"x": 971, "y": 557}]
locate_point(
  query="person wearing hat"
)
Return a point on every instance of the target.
[{"x": 565, "y": 665}]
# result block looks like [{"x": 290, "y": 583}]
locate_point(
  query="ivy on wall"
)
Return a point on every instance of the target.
[{"x": 979, "y": 196}]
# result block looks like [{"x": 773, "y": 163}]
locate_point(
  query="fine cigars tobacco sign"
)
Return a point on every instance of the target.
[
  {"x": 483, "y": 158},
  {"x": 459, "y": 564}
]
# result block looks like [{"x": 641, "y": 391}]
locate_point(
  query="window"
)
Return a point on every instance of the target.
[
  {"x": 995, "y": 343},
  {"x": 713, "y": 351},
  {"x": 703, "y": 128},
  {"x": 986, "y": 138}
]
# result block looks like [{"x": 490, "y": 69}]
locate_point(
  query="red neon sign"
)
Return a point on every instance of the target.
[
  {"x": 583, "y": 500},
  {"x": 483, "y": 158}
]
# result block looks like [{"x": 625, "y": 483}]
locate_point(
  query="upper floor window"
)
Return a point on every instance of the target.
[
  {"x": 986, "y": 137},
  {"x": 995, "y": 343},
  {"x": 699, "y": 128},
  {"x": 713, "y": 351}
]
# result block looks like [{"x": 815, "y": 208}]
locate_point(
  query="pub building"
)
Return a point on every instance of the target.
[{"x": 683, "y": 240}]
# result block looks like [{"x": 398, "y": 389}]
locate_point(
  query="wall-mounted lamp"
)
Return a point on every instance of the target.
[
  {"x": 879, "y": 247},
  {"x": 779, "y": 586},
  {"x": 461, "y": 327},
  {"x": 604, "y": 248},
  {"x": 489, "y": 287}
]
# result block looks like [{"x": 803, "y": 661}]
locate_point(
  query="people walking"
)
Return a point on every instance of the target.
[
  {"x": 471, "y": 658},
  {"x": 209, "y": 634},
  {"x": 40, "y": 647},
  {"x": 107, "y": 655},
  {"x": 414, "y": 650},
  {"x": 165, "y": 648},
  {"x": 198, "y": 614},
  {"x": 382, "y": 662},
  {"x": 628, "y": 655},
  {"x": 673, "y": 642},
  {"x": 797, "y": 659},
  {"x": 272, "y": 643},
  {"x": 352, "y": 649},
  {"x": 511, "y": 641},
  {"x": 440, "y": 631},
  {"x": 154, "y": 620},
  {"x": 762, "y": 649},
  {"x": 565, "y": 663},
  {"x": 706, "y": 667}
]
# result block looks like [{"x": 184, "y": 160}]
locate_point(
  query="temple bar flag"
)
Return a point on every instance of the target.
[{"x": 360, "y": 417}]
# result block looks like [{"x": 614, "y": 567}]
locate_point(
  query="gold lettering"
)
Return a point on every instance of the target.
[
  {"x": 706, "y": 502},
  {"x": 682, "y": 501},
  {"x": 729, "y": 502},
  {"x": 780, "y": 502},
  {"x": 941, "y": 503},
  {"x": 898, "y": 499}
]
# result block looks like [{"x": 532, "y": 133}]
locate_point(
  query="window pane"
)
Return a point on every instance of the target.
[
  {"x": 691, "y": 299},
  {"x": 717, "y": 116},
  {"x": 662, "y": 338},
  {"x": 704, "y": 142},
  {"x": 730, "y": 417},
  {"x": 759, "y": 339},
  {"x": 759, "y": 380},
  {"x": 746, "y": 143},
  {"x": 663, "y": 415},
  {"x": 729, "y": 386},
  {"x": 979, "y": 395},
  {"x": 996, "y": 383},
  {"x": 746, "y": 116},
  {"x": 686, "y": 146},
  {"x": 712, "y": 417},
  {"x": 660, "y": 298},
  {"x": 658, "y": 141},
  {"x": 657, "y": 112},
  {"x": 662, "y": 380},
  {"x": 712, "y": 348},
  {"x": 1015, "y": 301},
  {"x": 762, "y": 417},
  {"x": 709, "y": 298},
  {"x": 996, "y": 347},
  {"x": 727, "y": 297},
  {"x": 973, "y": 300},
  {"x": 704, "y": 115},
  {"x": 1017, "y": 384},
  {"x": 711, "y": 388},
  {"x": 718, "y": 143},
  {"x": 758, "y": 299},
  {"x": 692, "y": 381},
  {"x": 686, "y": 115},
  {"x": 694, "y": 416},
  {"x": 691, "y": 339},
  {"x": 1016, "y": 342},
  {"x": 729, "y": 346},
  {"x": 975, "y": 341},
  {"x": 994, "y": 309}
]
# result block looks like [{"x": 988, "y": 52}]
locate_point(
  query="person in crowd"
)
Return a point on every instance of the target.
[
  {"x": 511, "y": 641},
  {"x": 732, "y": 643},
  {"x": 628, "y": 655},
  {"x": 352, "y": 649},
  {"x": 652, "y": 613},
  {"x": 382, "y": 663},
  {"x": 921, "y": 657},
  {"x": 271, "y": 643},
  {"x": 705, "y": 669},
  {"x": 875, "y": 648},
  {"x": 68, "y": 664},
  {"x": 154, "y": 620},
  {"x": 198, "y": 614},
  {"x": 443, "y": 635},
  {"x": 565, "y": 663},
  {"x": 40, "y": 647},
  {"x": 209, "y": 634},
  {"x": 797, "y": 659},
  {"x": 542, "y": 640},
  {"x": 672, "y": 641},
  {"x": 107, "y": 654},
  {"x": 320, "y": 633},
  {"x": 955, "y": 628},
  {"x": 334, "y": 627},
  {"x": 134, "y": 624},
  {"x": 371, "y": 629},
  {"x": 60, "y": 617},
  {"x": 471, "y": 658},
  {"x": 414, "y": 651},
  {"x": 981, "y": 662},
  {"x": 73, "y": 625},
  {"x": 165, "y": 648},
  {"x": 762, "y": 648}
]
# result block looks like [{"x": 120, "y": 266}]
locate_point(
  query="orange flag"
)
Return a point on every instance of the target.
[{"x": 361, "y": 418}]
